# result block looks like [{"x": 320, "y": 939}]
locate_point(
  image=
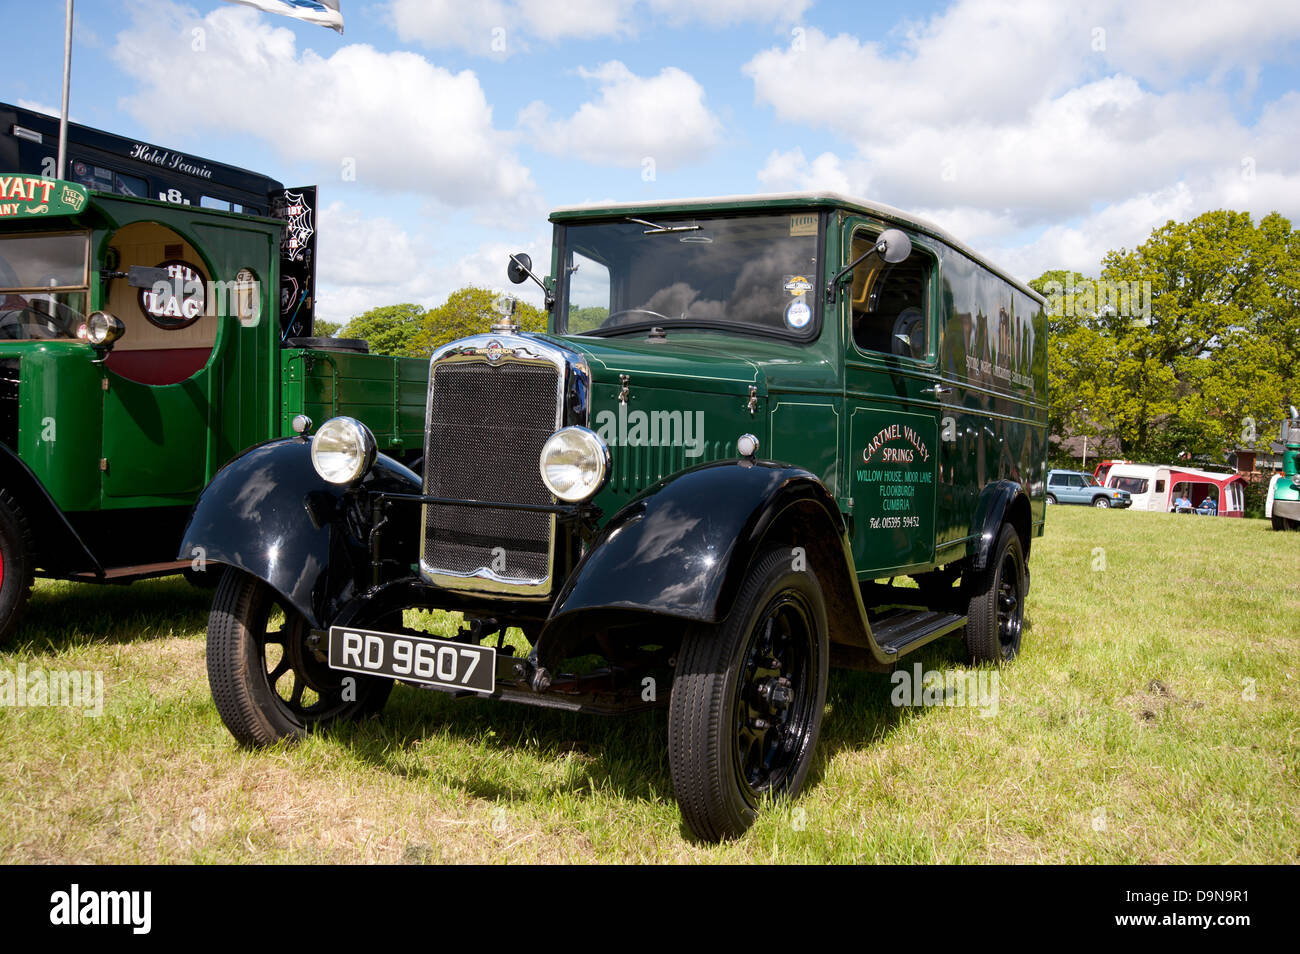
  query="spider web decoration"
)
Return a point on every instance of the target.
[{"x": 297, "y": 225}]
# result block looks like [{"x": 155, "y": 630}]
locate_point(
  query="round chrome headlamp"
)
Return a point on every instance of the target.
[
  {"x": 103, "y": 328},
  {"x": 342, "y": 450},
  {"x": 574, "y": 464}
]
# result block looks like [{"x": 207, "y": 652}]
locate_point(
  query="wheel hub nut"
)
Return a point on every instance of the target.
[{"x": 776, "y": 693}]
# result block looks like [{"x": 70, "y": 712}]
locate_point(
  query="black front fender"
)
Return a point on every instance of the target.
[
  {"x": 683, "y": 547},
  {"x": 270, "y": 514}
]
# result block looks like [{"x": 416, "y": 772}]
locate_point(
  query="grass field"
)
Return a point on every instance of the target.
[{"x": 1152, "y": 717}]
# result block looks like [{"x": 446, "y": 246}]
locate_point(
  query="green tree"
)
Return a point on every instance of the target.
[
  {"x": 469, "y": 311},
  {"x": 1197, "y": 354},
  {"x": 320, "y": 328},
  {"x": 1221, "y": 338},
  {"x": 390, "y": 329}
]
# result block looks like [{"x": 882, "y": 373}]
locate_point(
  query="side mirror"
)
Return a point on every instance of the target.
[
  {"x": 140, "y": 276},
  {"x": 894, "y": 246},
  {"x": 891, "y": 245},
  {"x": 520, "y": 267}
]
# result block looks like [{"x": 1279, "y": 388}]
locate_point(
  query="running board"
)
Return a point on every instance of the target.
[
  {"x": 901, "y": 631},
  {"x": 127, "y": 574}
]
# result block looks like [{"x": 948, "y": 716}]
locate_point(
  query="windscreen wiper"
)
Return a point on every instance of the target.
[{"x": 662, "y": 229}]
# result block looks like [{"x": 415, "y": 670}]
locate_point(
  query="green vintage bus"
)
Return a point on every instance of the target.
[{"x": 141, "y": 348}]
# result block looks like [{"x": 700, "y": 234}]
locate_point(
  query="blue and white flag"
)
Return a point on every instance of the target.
[{"x": 325, "y": 13}]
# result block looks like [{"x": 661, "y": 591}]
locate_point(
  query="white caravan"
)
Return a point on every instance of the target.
[{"x": 1156, "y": 486}]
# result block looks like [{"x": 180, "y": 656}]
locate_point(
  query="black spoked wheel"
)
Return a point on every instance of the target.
[
  {"x": 774, "y": 707},
  {"x": 747, "y": 700},
  {"x": 996, "y": 611},
  {"x": 269, "y": 677}
]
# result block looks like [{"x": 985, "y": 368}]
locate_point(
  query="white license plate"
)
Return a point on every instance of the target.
[{"x": 422, "y": 659}]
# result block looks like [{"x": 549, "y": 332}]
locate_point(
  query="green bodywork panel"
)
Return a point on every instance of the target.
[
  {"x": 385, "y": 393},
  {"x": 906, "y": 463},
  {"x": 99, "y": 441}
]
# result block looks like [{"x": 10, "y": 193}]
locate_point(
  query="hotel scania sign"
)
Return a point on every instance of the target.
[
  {"x": 25, "y": 196},
  {"x": 166, "y": 159}
]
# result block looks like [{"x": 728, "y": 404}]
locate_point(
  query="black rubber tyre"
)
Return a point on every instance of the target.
[
  {"x": 1282, "y": 523},
  {"x": 1051, "y": 499},
  {"x": 17, "y": 565},
  {"x": 747, "y": 699},
  {"x": 264, "y": 696},
  {"x": 1102, "y": 503},
  {"x": 996, "y": 609}
]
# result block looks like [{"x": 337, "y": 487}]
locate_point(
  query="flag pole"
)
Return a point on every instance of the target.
[{"x": 67, "y": 80}]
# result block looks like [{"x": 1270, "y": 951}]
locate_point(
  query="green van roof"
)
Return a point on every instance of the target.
[{"x": 782, "y": 200}]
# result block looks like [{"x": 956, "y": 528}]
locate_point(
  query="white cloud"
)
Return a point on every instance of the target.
[
  {"x": 36, "y": 107},
  {"x": 1046, "y": 133},
  {"x": 398, "y": 121},
  {"x": 791, "y": 171},
  {"x": 369, "y": 261},
  {"x": 500, "y": 28},
  {"x": 632, "y": 118}
]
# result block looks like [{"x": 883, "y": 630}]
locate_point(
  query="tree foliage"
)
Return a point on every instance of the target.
[
  {"x": 1207, "y": 366},
  {"x": 389, "y": 329},
  {"x": 470, "y": 311},
  {"x": 411, "y": 330}
]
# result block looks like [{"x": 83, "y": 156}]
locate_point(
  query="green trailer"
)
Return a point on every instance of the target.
[{"x": 141, "y": 350}]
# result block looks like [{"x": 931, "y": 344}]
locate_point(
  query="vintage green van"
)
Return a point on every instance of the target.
[
  {"x": 750, "y": 421},
  {"x": 141, "y": 348}
]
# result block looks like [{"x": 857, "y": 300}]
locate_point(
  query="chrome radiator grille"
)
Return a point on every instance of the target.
[{"x": 485, "y": 429}]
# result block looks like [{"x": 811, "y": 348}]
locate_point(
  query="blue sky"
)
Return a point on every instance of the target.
[{"x": 1042, "y": 134}]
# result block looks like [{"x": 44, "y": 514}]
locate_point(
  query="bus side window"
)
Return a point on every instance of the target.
[
  {"x": 890, "y": 303},
  {"x": 131, "y": 185}
]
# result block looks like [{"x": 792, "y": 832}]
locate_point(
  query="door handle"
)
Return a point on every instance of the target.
[{"x": 937, "y": 390}]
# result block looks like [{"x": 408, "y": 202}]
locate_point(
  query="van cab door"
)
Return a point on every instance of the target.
[
  {"x": 893, "y": 402},
  {"x": 157, "y": 409}
]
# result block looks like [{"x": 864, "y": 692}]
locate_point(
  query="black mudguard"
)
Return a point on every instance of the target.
[
  {"x": 1000, "y": 501},
  {"x": 683, "y": 547},
  {"x": 59, "y": 548},
  {"x": 270, "y": 514}
]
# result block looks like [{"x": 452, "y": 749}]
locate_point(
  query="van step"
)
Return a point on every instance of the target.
[{"x": 906, "y": 629}]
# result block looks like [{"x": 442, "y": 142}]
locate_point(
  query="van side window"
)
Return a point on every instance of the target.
[
  {"x": 891, "y": 303},
  {"x": 1160, "y": 486}
]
